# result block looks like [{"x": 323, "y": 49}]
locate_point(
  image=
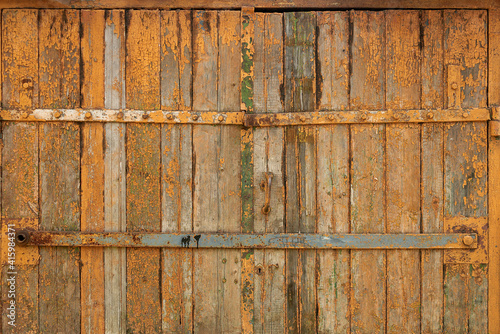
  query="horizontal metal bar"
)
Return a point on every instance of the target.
[
  {"x": 268, "y": 240},
  {"x": 242, "y": 118}
]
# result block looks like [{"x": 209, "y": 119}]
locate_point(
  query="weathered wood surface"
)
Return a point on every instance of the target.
[
  {"x": 465, "y": 285},
  {"x": 176, "y": 152},
  {"x": 20, "y": 156},
  {"x": 368, "y": 196},
  {"x": 494, "y": 180},
  {"x": 60, "y": 151},
  {"x": 231, "y": 4},
  {"x": 115, "y": 279},
  {"x": 269, "y": 272},
  {"x": 143, "y": 143}
]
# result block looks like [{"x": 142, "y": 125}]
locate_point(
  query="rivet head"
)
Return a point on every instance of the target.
[
  {"x": 331, "y": 117},
  {"x": 454, "y": 85},
  {"x": 24, "y": 115},
  {"x": 26, "y": 85},
  {"x": 170, "y": 117},
  {"x": 363, "y": 117},
  {"x": 395, "y": 116},
  {"x": 57, "y": 114},
  {"x": 88, "y": 115},
  {"x": 465, "y": 115},
  {"x": 220, "y": 118},
  {"x": 302, "y": 118},
  {"x": 119, "y": 115},
  {"x": 145, "y": 116},
  {"x": 224, "y": 260},
  {"x": 195, "y": 117},
  {"x": 430, "y": 115},
  {"x": 467, "y": 240}
]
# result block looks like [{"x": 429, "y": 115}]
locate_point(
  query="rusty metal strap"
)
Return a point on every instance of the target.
[
  {"x": 268, "y": 240},
  {"x": 242, "y": 118}
]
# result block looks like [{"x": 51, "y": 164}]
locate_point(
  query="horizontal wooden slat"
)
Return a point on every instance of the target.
[
  {"x": 230, "y": 4},
  {"x": 241, "y": 118},
  {"x": 262, "y": 240}
]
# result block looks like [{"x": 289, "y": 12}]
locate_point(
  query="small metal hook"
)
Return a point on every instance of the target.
[{"x": 265, "y": 185}]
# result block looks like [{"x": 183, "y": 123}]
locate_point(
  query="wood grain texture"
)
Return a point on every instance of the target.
[
  {"x": 432, "y": 140},
  {"x": 300, "y": 147},
  {"x": 465, "y": 173},
  {"x": 403, "y": 169},
  {"x": 494, "y": 181},
  {"x": 143, "y": 170},
  {"x": 59, "y": 75},
  {"x": 368, "y": 269},
  {"x": 332, "y": 70},
  {"x": 217, "y": 177},
  {"x": 265, "y": 4},
  {"x": 115, "y": 279},
  {"x": 20, "y": 166},
  {"x": 270, "y": 297},
  {"x": 92, "y": 171},
  {"x": 176, "y": 151}
]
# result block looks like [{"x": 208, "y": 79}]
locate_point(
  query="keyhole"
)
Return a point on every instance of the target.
[{"x": 259, "y": 270}]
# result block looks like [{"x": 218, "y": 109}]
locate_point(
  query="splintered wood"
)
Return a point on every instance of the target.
[{"x": 399, "y": 144}]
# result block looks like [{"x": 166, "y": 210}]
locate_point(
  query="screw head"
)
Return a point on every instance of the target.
[
  {"x": 170, "y": 117},
  {"x": 195, "y": 117},
  {"x": 88, "y": 115},
  {"x": 24, "y": 115},
  {"x": 145, "y": 116},
  {"x": 119, "y": 115},
  {"x": 465, "y": 115},
  {"x": 395, "y": 116},
  {"x": 26, "y": 85},
  {"x": 430, "y": 115},
  {"x": 302, "y": 118},
  {"x": 220, "y": 118},
  {"x": 331, "y": 117},
  {"x": 454, "y": 85},
  {"x": 57, "y": 114},
  {"x": 467, "y": 240},
  {"x": 363, "y": 117}
]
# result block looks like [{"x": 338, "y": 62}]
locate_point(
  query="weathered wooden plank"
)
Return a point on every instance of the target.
[
  {"x": 143, "y": 170},
  {"x": 368, "y": 269},
  {"x": 333, "y": 171},
  {"x": 265, "y": 4},
  {"x": 494, "y": 181},
  {"x": 176, "y": 154},
  {"x": 269, "y": 276},
  {"x": 432, "y": 171},
  {"x": 300, "y": 146},
  {"x": 92, "y": 171},
  {"x": 403, "y": 169},
  {"x": 115, "y": 278},
  {"x": 59, "y": 75},
  {"x": 247, "y": 167},
  {"x": 20, "y": 192},
  {"x": 465, "y": 190}
]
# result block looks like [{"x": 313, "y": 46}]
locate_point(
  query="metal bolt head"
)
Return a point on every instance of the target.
[
  {"x": 25, "y": 115},
  {"x": 119, "y": 115},
  {"x": 395, "y": 116},
  {"x": 195, "y": 117},
  {"x": 465, "y": 115},
  {"x": 57, "y": 114},
  {"x": 363, "y": 117},
  {"x": 331, "y": 117},
  {"x": 430, "y": 115},
  {"x": 26, "y": 85},
  {"x": 302, "y": 118},
  {"x": 88, "y": 115},
  {"x": 454, "y": 85},
  {"x": 467, "y": 240},
  {"x": 145, "y": 116},
  {"x": 221, "y": 118},
  {"x": 170, "y": 117}
]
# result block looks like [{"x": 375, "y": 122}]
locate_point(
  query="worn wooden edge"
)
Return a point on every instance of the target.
[
  {"x": 248, "y": 119},
  {"x": 260, "y": 4},
  {"x": 258, "y": 240}
]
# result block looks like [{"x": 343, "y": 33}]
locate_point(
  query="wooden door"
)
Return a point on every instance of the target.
[{"x": 363, "y": 122}]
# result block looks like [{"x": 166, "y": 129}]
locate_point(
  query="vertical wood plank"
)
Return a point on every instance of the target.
[
  {"x": 368, "y": 268},
  {"x": 403, "y": 169},
  {"x": 269, "y": 274},
  {"x": 143, "y": 169},
  {"x": 247, "y": 168},
  {"x": 92, "y": 169},
  {"x": 465, "y": 173},
  {"x": 115, "y": 279},
  {"x": 206, "y": 140},
  {"x": 20, "y": 166},
  {"x": 300, "y": 146},
  {"x": 176, "y": 153},
  {"x": 494, "y": 180},
  {"x": 432, "y": 170},
  {"x": 333, "y": 171},
  {"x": 59, "y": 61}
]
